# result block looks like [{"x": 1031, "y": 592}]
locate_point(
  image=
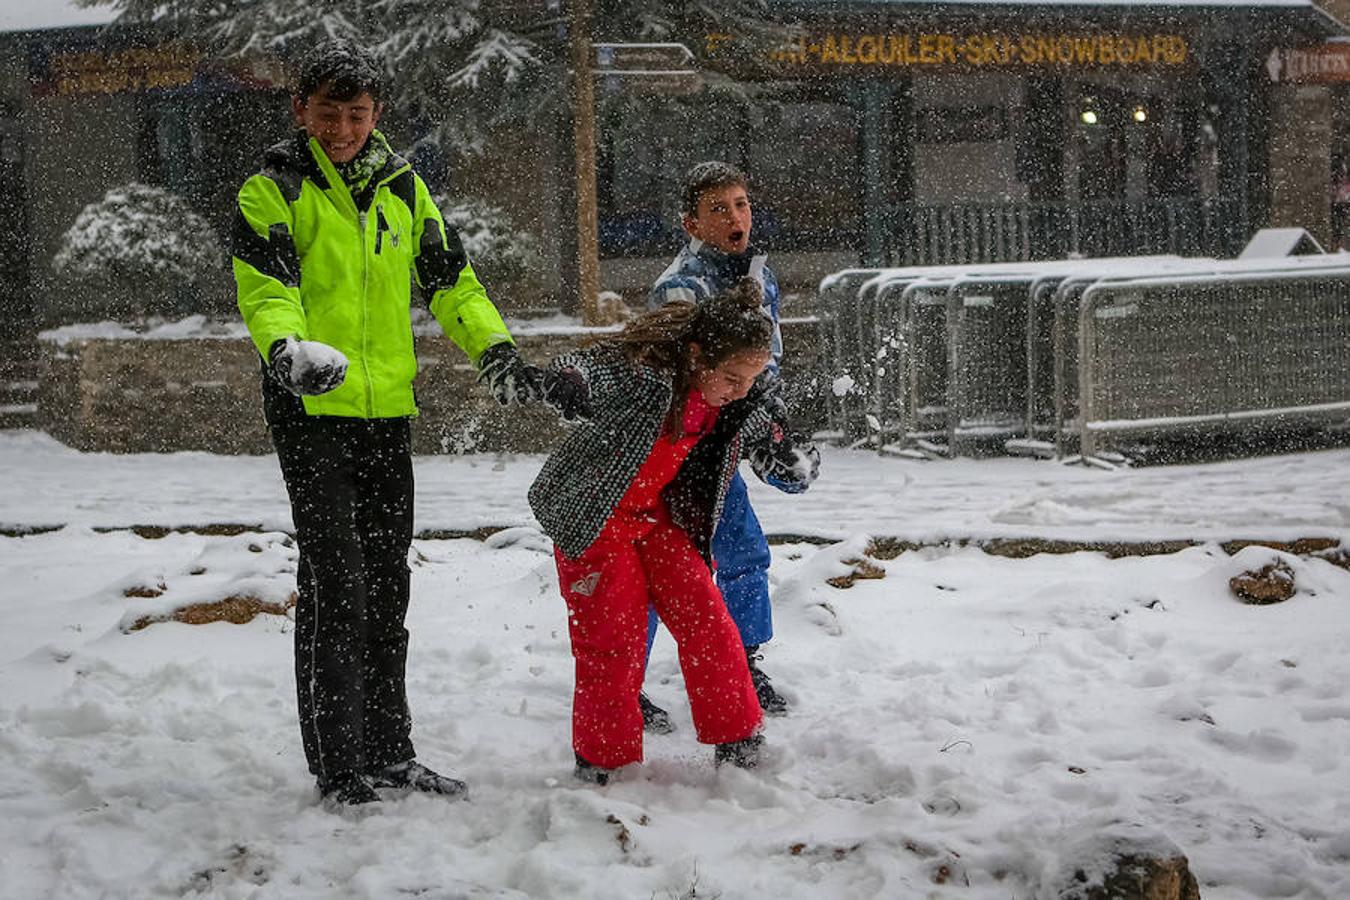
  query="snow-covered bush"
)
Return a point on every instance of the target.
[
  {"x": 140, "y": 232},
  {"x": 494, "y": 243}
]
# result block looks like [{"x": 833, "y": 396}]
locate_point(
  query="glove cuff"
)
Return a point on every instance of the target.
[
  {"x": 276, "y": 347},
  {"x": 496, "y": 355}
]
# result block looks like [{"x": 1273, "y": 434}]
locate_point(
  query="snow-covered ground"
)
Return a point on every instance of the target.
[{"x": 959, "y": 726}]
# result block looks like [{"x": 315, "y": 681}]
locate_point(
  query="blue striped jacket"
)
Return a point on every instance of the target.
[{"x": 701, "y": 270}]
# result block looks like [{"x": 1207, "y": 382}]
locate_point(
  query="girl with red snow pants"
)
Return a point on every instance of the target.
[{"x": 630, "y": 500}]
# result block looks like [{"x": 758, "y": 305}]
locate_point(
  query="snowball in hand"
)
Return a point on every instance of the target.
[{"x": 309, "y": 367}]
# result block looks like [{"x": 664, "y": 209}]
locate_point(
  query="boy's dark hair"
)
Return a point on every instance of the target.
[
  {"x": 347, "y": 68},
  {"x": 707, "y": 176}
]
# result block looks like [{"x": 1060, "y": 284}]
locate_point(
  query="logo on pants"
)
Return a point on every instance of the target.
[{"x": 586, "y": 586}]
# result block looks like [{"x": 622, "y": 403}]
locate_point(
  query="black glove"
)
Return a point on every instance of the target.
[
  {"x": 785, "y": 465},
  {"x": 307, "y": 367},
  {"x": 568, "y": 393},
  {"x": 776, "y": 407},
  {"x": 508, "y": 377}
]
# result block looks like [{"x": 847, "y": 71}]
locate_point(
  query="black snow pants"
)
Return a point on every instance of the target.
[{"x": 350, "y": 483}]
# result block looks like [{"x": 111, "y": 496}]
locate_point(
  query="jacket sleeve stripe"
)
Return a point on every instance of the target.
[
  {"x": 266, "y": 264},
  {"x": 443, "y": 271},
  {"x": 439, "y": 259},
  {"x": 273, "y": 255},
  {"x": 675, "y": 294},
  {"x": 404, "y": 187}
]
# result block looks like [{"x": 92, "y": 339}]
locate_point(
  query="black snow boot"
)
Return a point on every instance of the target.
[
  {"x": 347, "y": 789},
  {"x": 772, "y": 702},
  {"x": 591, "y": 773},
  {"x": 412, "y": 775},
  {"x": 655, "y": 720},
  {"x": 743, "y": 754}
]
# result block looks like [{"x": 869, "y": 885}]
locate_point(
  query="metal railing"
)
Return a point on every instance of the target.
[
  {"x": 908, "y": 400},
  {"x": 969, "y": 233},
  {"x": 840, "y": 297},
  {"x": 986, "y": 359}
]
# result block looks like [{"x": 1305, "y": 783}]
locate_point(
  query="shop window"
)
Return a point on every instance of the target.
[
  {"x": 1102, "y": 131},
  {"x": 1138, "y": 146}
]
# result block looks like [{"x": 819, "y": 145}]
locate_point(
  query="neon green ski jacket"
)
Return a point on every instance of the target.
[{"x": 312, "y": 262}]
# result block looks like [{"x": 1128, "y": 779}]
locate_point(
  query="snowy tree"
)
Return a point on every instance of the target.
[
  {"x": 458, "y": 66},
  {"x": 139, "y": 248},
  {"x": 490, "y": 238}
]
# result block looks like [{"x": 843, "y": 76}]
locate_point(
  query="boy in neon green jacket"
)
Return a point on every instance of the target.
[{"x": 327, "y": 240}]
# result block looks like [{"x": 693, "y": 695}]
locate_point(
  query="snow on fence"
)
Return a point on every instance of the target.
[{"x": 1001, "y": 354}]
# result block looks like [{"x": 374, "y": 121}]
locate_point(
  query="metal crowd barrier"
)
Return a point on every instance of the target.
[
  {"x": 909, "y": 397},
  {"x": 1053, "y": 402},
  {"x": 1041, "y": 373},
  {"x": 1193, "y": 354},
  {"x": 986, "y": 358},
  {"x": 839, "y": 300},
  {"x": 1071, "y": 295},
  {"x": 994, "y": 354},
  {"x": 931, "y": 355},
  {"x": 999, "y": 344},
  {"x": 868, "y": 353}
]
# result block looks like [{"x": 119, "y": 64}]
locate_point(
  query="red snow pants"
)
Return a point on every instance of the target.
[{"x": 636, "y": 562}]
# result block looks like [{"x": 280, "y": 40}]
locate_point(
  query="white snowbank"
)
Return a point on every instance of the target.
[{"x": 957, "y": 727}]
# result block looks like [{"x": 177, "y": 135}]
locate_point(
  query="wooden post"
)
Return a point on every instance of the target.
[{"x": 583, "y": 132}]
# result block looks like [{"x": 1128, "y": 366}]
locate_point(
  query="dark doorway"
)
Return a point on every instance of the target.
[
  {"x": 1102, "y": 132},
  {"x": 1040, "y": 149},
  {"x": 16, "y": 305}
]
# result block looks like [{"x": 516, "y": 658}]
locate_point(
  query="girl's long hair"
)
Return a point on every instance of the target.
[{"x": 722, "y": 326}]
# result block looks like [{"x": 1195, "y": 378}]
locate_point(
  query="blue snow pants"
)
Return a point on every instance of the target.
[{"x": 741, "y": 553}]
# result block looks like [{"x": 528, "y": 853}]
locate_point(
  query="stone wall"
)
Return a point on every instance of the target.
[{"x": 152, "y": 396}]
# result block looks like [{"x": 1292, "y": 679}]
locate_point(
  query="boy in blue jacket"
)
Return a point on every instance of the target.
[{"x": 715, "y": 213}]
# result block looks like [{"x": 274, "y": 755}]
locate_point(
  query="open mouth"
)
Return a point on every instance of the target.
[{"x": 737, "y": 236}]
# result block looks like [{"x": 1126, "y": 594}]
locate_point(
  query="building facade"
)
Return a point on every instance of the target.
[
  {"x": 916, "y": 133},
  {"x": 874, "y": 131}
]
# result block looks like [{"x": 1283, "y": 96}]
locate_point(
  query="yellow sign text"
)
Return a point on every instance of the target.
[
  {"x": 984, "y": 50},
  {"x": 137, "y": 69}
]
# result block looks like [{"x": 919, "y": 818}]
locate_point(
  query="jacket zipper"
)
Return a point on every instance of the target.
[
  {"x": 361, "y": 218},
  {"x": 366, "y": 263},
  {"x": 365, "y": 318}
]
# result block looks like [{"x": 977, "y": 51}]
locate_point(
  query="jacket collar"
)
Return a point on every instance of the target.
[
  {"x": 393, "y": 163},
  {"x": 302, "y": 154},
  {"x": 731, "y": 265}
]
